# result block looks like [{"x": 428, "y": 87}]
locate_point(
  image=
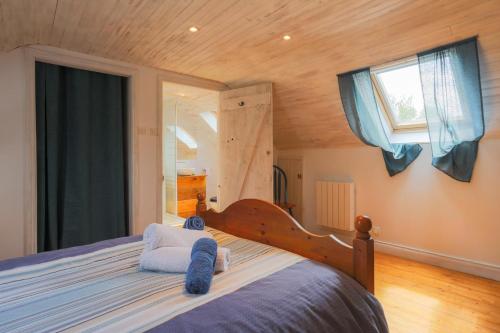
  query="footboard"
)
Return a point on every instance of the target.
[{"x": 266, "y": 223}]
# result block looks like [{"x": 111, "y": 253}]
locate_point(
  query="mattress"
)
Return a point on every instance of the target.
[{"x": 99, "y": 288}]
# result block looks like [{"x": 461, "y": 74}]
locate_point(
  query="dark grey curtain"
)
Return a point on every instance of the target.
[{"x": 82, "y": 143}]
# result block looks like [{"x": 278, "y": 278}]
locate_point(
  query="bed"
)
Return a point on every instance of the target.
[{"x": 268, "y": 288}]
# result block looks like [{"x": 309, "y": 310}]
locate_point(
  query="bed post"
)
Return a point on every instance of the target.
[
  {"x": 201, "y": 205},
  {"x": 363, "y": 260}
]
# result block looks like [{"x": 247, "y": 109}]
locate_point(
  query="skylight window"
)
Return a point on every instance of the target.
[
  {"x": 211, "y": 119},
  {"x": 400, "y": 94},
  {"x": 184, "y": 136}
]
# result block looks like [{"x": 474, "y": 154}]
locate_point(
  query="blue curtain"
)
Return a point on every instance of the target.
[
  {"x": 453, "y": 105},
  {"x": 363, "y": 116}
]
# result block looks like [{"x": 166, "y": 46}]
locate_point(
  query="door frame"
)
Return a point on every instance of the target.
[
  {"x": 182, "y": 79},
  {"x": 86, "y": 62}
]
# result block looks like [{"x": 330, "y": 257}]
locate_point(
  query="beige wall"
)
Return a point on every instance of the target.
[
  {"x": 421, "y": 208},
  {"x": 14, "y": 155},
  {"x": 12, "y": 98},
  {"x": 147, "y": 153}
]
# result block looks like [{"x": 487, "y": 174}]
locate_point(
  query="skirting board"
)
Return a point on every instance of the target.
[{"x": 473, "y": 267}]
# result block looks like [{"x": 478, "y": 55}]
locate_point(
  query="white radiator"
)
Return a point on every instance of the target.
[{"x": 335, "y": 205}]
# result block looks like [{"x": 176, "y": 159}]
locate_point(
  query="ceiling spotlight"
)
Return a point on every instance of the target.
[
  {"x": 193, "y": 29},
  {"x": 287, "y": 37}
]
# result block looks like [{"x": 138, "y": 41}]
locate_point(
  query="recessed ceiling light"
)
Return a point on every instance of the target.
[
  {"x": 193, "y": 29},
  {"x": 287, "y": 37}
]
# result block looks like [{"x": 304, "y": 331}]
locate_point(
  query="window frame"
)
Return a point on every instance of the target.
[{"x": 380, "y": 95}]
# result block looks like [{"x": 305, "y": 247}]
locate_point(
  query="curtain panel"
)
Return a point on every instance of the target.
[
  {"x": 82, "y": 159},
  {"x": 451, "y": 85},
  {"x": 363, "y": 115}
]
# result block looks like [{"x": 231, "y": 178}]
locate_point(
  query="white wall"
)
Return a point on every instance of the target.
[
  {"x": 12, "y": 103},
  {"x": 14, "y": 155},
  {"x": 148, "y": 156},
  {"x": 420, "y": 208}
]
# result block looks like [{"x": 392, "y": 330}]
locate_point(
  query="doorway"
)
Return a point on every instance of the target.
[
  {"x": 293, "y": 170},
  {"x": 226, "y": 152},
  {"x": 190, "y": 149},
  {"x": 82, "y": 149}
]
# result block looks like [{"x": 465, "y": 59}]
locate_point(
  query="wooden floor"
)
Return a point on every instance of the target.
[{"x": 422, "y": 298}]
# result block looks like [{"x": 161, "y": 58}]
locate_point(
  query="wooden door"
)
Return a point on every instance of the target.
[
  {"x": 293, "y": 171},
  {"x": 245, "y": 144}
]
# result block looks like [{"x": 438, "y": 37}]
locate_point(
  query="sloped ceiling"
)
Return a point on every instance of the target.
[{"x": 240, "y": 42}]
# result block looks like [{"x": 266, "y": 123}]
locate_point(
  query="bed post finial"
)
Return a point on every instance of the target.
[
  {"x": 363, "y": 226},
  {"x": 363, "y": 259},
  {"x": 201, "y": 206}
]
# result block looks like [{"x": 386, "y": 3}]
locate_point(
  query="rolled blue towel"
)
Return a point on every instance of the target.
[
  {"x": 194, "y": 223},
  {"x": 201, "y": 269}
]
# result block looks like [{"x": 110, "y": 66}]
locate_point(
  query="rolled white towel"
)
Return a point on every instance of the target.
[
  {"x": 159, "y": 235},
  {"x": 166, "y": 259},
  {"x": 177, "y": 259}
]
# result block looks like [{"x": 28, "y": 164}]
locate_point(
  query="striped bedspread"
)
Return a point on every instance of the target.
[{"x": 104, "y": 290}]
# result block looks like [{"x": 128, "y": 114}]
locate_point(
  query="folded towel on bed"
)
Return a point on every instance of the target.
[
  {"x": 201, "y": 269},
  {"x": 194, "y": 223},
  {"x": 177, "y": 259},
  {"x": 166, "y": 259},
  {"x": 159, "y": 235}
]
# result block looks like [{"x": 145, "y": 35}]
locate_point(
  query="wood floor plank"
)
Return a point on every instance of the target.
[{"x": 422, "y": 298}]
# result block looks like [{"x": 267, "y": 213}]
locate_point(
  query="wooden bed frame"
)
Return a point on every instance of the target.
[{"x": 266, "y": 223}]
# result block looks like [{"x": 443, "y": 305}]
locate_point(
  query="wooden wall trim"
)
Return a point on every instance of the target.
[
  {"x": 189, "y": 80},
  {"x": 465, "y": 265}
]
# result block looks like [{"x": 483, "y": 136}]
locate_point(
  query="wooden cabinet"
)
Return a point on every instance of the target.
[{"x": 188, "y": 188}]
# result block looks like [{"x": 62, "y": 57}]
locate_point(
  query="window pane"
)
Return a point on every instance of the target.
[{"x": 403, "y": 94}]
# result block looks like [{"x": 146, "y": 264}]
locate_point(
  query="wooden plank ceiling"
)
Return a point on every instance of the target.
[{"x": 239, "y": 42}]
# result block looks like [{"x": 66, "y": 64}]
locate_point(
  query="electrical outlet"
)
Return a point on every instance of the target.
[{"x": 376, "y": 230}]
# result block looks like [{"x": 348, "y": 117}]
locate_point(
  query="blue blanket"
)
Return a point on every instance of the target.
[{"x": 305, "y": 296}]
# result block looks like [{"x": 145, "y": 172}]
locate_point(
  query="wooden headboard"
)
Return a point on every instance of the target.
[{"x": 266, "y": 223}]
